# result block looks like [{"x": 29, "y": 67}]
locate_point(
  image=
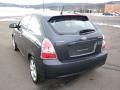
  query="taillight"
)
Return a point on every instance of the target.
[
  {"x": 47, "y": 50},
  {"x": 103, "y": 42}
]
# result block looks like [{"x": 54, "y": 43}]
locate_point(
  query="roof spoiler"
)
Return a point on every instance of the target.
[{"x": 68, "y": 17}]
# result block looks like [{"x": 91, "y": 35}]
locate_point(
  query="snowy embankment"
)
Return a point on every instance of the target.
[
  {"x": 14, "y": 11},
  {"x": 7, "y": 13}
]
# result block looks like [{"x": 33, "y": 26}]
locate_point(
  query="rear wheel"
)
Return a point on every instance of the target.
[
  {"x": 14, "y": 44},
  {"x": 34, "y": 72}
]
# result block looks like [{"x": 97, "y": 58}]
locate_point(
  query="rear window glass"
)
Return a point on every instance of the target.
[{"x": 70, "y": 25}]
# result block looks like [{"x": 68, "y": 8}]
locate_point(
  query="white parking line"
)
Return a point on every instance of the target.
[
  {"x": 104, "y": 24},
  {"x": 118, "y": 26}
]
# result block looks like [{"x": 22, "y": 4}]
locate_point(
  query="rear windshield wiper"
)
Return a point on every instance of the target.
[{"x": 86, "y": 31}]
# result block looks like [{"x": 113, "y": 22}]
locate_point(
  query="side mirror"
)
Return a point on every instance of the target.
[{"x": 13, "y": 25}]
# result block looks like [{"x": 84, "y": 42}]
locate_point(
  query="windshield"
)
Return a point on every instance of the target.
[{"x": 71, "y": 26}]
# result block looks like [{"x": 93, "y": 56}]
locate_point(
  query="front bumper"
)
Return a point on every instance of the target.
[{"x": 56, "y": 69}]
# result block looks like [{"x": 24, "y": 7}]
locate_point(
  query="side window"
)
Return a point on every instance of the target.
[
  {"x": 34, "y": 26},
  {"x": 24, "y": 22}
]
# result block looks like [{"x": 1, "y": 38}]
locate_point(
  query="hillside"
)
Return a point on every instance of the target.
[{"x": 59, "y": 5}]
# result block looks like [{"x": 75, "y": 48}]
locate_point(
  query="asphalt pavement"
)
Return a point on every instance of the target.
[{"x": 14, "y": 69}]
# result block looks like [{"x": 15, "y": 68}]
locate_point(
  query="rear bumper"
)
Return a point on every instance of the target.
[{"x": 56, "y": 69}]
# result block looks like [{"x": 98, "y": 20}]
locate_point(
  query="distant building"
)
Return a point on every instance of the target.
[{"x": 111, "y": 8}]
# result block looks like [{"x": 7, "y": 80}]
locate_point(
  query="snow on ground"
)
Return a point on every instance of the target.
[
  {"x": 90, "y": 14},
  {"x": 8, "y": 19},
  {"x": 94, "y": 14},
  {"x": 14, "y": 11}
]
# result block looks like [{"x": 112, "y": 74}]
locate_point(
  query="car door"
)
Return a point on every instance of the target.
[
  {"x": 33, "y": 36},
  {"x": 21, "y": 34}
]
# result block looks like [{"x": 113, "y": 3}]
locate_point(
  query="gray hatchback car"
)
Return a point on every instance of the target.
[{"x": 58, "y": 45}]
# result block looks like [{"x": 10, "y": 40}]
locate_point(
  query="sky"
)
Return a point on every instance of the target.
[{"x": 33, "y": 2}]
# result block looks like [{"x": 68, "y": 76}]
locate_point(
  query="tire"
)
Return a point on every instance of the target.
[
  {"x": 36, "y": 78},
  {"x": 14, "y": 44}
]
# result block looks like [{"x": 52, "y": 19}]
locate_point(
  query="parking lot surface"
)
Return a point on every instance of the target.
[{"x": 14, "y": 70}]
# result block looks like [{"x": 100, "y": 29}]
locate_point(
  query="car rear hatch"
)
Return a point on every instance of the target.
[{"x": 75, "y": 37}]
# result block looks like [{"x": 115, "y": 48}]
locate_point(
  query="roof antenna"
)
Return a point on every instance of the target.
[{"x": 62, "y": 10}]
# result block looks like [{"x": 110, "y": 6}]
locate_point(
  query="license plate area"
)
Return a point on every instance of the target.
[{"x": 82, "y": 48}]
